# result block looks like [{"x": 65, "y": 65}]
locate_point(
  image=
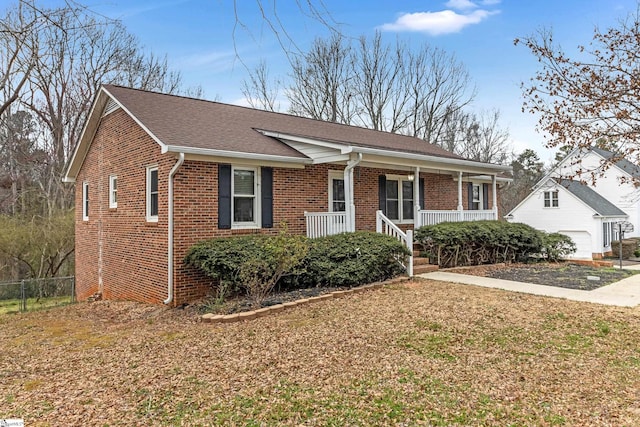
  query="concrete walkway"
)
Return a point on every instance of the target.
[{"x": 625, "y": 293}]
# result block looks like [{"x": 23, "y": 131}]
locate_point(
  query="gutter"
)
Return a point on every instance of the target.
[{"x": 172, "y": 173}]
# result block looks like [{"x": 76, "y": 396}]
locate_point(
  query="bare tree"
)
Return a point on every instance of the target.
[
  {"x": 591, "y": 100},
  {"x": 260, "y": 91},
  {"x": 321, "y": 86},
  {"x": 377, "y": 76}
]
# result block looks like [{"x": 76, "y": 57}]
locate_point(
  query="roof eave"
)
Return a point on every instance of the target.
[
  {"x": 453, "y": 164},
  {"x": 345, "y": 148},
  {"x": 234, "y": 154}
]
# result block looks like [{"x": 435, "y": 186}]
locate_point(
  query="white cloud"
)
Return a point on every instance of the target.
[
  {"x": 461, "y": 4},
  {"x": 437, "y": 23}
]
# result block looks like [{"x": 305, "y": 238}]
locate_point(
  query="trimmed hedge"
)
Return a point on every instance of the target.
[
  {"x": 453, "y": 244},
  {"x": 348, "y": 259},
  {"x": 353, "y": 259}
]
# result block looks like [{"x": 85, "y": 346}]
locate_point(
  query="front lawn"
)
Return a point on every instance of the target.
[{"x": 422, "y": 353}]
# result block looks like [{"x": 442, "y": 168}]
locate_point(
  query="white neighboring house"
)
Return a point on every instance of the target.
[{"x": 588, "y": 213}]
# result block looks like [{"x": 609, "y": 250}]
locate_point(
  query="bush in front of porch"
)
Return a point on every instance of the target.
[{"x": 453, "y": 244}]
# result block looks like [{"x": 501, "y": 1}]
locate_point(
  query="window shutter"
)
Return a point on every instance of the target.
[
  {"x": 382, "y": 193},
  {"x": 470, "y": 195},
  {"x": 485, "y": 196},
  {"x": 421, "y": 193},
  {"x": 266, "y": 194},
  {"x": 224, "y": 196}
]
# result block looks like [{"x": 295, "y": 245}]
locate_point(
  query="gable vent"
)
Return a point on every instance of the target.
[{"x": 110, "y": 107}]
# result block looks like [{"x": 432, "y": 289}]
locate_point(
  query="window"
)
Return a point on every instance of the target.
[
  {"x": 550, "y": 199},
  {"x": 244, "y": 190},
  {"x": 476, "y": 197},
  {"x": 609, "y": 233},
  {"x": 337, "y": 200},
  {"x": 399, "y": 200},
  {"x": 152, "y": 194},
  {"x": 113, "y": 191},
  {"x": 85, "y": 201}
]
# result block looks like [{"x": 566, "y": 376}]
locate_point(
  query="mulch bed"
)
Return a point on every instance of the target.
[
  {"x": 563, "y": 274},
  {"x": 241, "y": 303}
]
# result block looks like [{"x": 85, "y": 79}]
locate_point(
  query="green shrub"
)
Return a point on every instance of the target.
[
  {"x": 556, "y": 246},
  {"x": 453, "y": 244},
  {"x": 353, "y": 259},
  {"x": 257, "y": 263},
  {"x": 253, "y": 263}
]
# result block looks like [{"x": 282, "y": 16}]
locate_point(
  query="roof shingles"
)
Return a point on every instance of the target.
[{"x": 187, "y": 122}]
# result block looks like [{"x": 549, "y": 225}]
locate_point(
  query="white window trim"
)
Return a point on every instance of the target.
[
  {"x": 334, "y": 175},
  {"x": 480, "y": 200},
  {"x": 85, "y": 200},
  {"x": 401, "y": 178},
  {"x": 149, "y": 217},
  {"x": 256, "y": 194},
  {"x": 113, "y": 191},
  {"x": 551, "y": 193}
]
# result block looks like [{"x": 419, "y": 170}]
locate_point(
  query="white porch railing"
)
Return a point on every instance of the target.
[
  {"x": 436, "y": 217},
  {"x": 385, "y": 226},
  {"x": 320, "y": 224}
]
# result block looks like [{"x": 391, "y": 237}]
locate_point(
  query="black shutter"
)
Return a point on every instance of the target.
[
  {"x": 421, "y": 193},
  {"x": 382, "y": 193},
  {"x": 224, "y": 196},
  {"x": 470, "y": 195},
  {"x": 485, "y": 196},
  {"x": 266, "y": 195}
]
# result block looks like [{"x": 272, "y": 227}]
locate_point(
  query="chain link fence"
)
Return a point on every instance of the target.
[{"x": 35, "y": 294}]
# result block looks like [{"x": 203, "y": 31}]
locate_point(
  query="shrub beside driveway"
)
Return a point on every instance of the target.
[{"x": 422, "y": 353}]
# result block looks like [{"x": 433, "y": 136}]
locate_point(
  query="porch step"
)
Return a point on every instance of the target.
[
  {"x": 421, "y": 265},
  {"x": 424, "y": 268},
  {"x": 420, "y": 260}
]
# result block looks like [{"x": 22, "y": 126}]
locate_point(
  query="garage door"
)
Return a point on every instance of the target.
[{"x": 582, "y": 239}]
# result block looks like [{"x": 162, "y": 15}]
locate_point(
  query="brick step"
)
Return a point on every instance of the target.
[
  {"x": 420, "y": 260},
  {"x": 416, "y": 253},
  {"x": 424, "y": 268}
]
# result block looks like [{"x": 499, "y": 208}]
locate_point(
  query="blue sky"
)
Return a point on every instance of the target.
[{"x": 198, "y": 37}]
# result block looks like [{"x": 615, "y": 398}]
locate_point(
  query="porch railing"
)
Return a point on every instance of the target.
[
  {"x": 320, "y": 224},
  {"x": 436, "y": 217},
  {"x": 385, "y": 226}
]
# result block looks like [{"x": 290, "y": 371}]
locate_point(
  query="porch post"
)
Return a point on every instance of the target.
[
  {"x": 460, "y": 208},
  {"x": 416, "y": 198},
  {"x": 494, "y": 195},
  {"x": 348, "y": 197},
  {"x": 350, "y": 207}
]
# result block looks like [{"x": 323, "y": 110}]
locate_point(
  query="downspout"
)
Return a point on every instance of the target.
[
  {"x": 348, "y": 179},
  {"x": 173, "y": 171}
]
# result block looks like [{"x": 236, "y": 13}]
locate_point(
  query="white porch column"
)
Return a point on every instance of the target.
[
  {"x": 350, "y": 207},
  {"x": 460, "y": 207},
  {"x": 494, "y": 195},
  {"x": 348, "y": 198},
  {"x": 416, "y": 197}
]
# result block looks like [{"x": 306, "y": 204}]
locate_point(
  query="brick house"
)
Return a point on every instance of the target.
[{"x": 156, "y": 173}]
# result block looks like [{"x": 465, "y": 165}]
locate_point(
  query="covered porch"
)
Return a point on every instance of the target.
[
  {"x": 420, "y": 186},
  {"x": 320, "y": 224}
]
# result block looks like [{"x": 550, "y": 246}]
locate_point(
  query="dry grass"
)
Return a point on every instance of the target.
[{"x": 424, "y": 353}]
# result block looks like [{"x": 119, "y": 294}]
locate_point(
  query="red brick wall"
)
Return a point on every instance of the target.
[{"x": 134, "y": 252}]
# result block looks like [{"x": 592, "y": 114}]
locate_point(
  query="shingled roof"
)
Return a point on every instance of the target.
[
  {"x": 619, "y": 161},
  {"x": 205, "y": 128},
  {"x": 591, "y": 198},
  {"x": 193, "y": 123}
]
